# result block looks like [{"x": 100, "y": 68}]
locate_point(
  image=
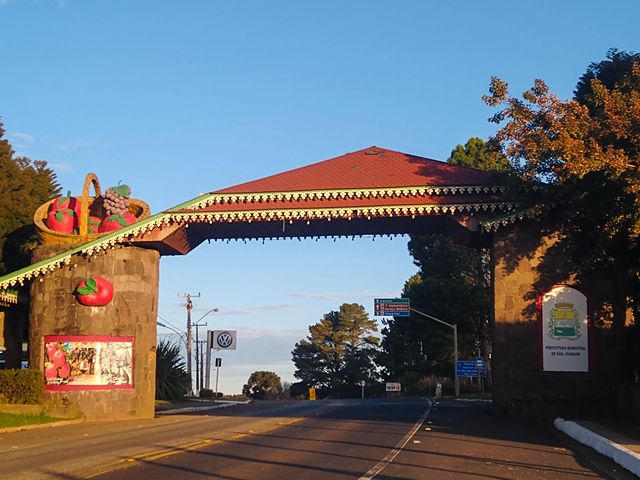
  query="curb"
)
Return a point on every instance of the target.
[
  {"x": 619, "y": 454},
  {"x": 42, "y": 425},
  {"x": 199, "y": 409}
]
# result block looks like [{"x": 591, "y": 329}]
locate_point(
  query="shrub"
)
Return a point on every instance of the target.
[
  {"x": 263, "y": 385},
  {"x": 172, "y": 381},
  {"x": 206, "y": 393},
  {"x": 21, "y": 386}
]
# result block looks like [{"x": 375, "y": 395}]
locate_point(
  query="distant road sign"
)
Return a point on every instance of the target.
[
  {"x": 391, "y": 307},
  {"x": 393, "y": 387},
  {"x": 218, "y": 362},
  {"x": 312, "y": 393},
  {"x": 470, "y": 368}
]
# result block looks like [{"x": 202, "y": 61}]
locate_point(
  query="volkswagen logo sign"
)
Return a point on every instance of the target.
[{"x": 225, "y": 340}]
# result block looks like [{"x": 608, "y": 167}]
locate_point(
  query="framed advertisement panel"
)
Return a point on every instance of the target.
[
  {"x": 88, "y": 362},
  {"x": 563, "y": 317}
]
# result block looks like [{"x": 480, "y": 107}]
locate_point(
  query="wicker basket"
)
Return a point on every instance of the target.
[{"x": 88, "y": 206}]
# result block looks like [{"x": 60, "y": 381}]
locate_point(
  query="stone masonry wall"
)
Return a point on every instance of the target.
[
  {"x": 520, "y": 386},
  {"x": 134, "y": 273}
]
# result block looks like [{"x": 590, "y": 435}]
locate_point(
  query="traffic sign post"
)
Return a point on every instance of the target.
[
  {"x": 471, "y": 368},
  {"x": 391, "y": 307},
  {"x": 218, "y": 365}
]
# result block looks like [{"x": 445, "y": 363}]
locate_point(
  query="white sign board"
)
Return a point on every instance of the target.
[
  {"x": 565, "y": 330},
  {"x": 222, "y": 339},
  {"x": 393, "y": 387}
]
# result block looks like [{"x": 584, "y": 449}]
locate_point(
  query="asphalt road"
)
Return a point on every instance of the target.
[{"x": 322, "y": 440}]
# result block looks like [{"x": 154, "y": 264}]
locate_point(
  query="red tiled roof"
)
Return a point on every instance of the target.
[{"x": 372, "y": 167}]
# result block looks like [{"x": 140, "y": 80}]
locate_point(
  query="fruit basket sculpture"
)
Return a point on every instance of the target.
[{"x": 73, "y": 220}]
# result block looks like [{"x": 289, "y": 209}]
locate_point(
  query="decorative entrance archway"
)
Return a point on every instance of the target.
[{"x": 374, "y": 191}]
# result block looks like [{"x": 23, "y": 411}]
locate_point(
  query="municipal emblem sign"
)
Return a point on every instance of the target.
[{"x": 564, "y": 320}]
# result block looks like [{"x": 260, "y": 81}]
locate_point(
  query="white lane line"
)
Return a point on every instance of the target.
[{"x": 397, "y": 449}]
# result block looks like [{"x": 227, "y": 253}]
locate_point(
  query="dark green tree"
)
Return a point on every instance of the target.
[
  {"x": 263, "y": 385},
  {"x": 24, "y": 186},
  {"x": 339, "y": 351},
  {"x": 609, "y": 72},
  {"x": 477, "y": 153},
  {"x": 172, "y": 380},
  {"x": 453, "y": 285}
]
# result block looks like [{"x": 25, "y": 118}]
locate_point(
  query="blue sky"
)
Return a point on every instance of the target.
[{"x": 180, "y": 98}]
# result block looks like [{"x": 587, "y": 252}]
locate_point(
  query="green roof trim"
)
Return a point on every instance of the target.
[{"x": 18, "y": 277}]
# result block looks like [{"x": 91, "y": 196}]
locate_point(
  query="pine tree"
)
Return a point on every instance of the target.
[
  {"x": 339, "y": 351},
  {"x": 24, "y": 186}
]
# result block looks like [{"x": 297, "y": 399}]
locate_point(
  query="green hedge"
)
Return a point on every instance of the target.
[{"x": 21, "y": 386}]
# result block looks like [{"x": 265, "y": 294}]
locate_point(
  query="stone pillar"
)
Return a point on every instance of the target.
[
  {"x": 134, "y": 273},
  {"x": 525, "y": 264}
]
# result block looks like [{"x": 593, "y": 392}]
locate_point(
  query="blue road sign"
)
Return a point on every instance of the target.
[{"x": 470, "y": 368}]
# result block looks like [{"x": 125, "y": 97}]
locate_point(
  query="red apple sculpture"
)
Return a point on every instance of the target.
[
  {"x": 66, "y": 203},
  {"x": 63, "y": 221},
  {"x": 116, "y": 222},
  {"x": 94, "y": 292},
  {"x": 93, "y": 224}
]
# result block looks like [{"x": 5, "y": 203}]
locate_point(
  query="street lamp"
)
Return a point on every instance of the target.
[
  {"x": 180, "y": 333},
  {"x": 455, "y": 346}
]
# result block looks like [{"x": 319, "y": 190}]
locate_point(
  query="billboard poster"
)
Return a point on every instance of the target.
[
  {"x": 564, "y": 323},
  {"x": 88, "y": 362}
]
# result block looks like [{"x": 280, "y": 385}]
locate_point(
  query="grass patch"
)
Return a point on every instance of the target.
[
  {"x": 8, "y": 420},
  {"x": 477, "y": 396}
]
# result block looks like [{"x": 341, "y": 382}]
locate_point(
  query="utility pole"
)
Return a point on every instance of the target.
[
  {"x": 197, "y": 363},
  {"x": 189, "y": 306},
  {"x": 202, "y": 347},
  {"x": 199, "y": 352}
]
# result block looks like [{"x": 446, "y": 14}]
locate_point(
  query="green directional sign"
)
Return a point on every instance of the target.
[{"x": 391, "y": 307}]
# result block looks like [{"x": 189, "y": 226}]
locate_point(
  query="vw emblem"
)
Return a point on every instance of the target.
[{"x": 225, "y": 339}]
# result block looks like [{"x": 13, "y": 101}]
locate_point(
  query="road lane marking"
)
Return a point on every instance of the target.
[
  {"x": 380, "y": 466},
  {"x": 184, "y": 448}
]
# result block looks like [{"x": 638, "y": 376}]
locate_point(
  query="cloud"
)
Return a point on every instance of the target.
[
  {"x": 61, "y": 167},
  {"x": 251, "y": 310},
  {"x": 265, "y": 333},
  {"x": 22, "y": 137},
  {"x": 80, "y": 145},
  {"x": 337, "y": 295},
  {"x": 21, "y": 141}
]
